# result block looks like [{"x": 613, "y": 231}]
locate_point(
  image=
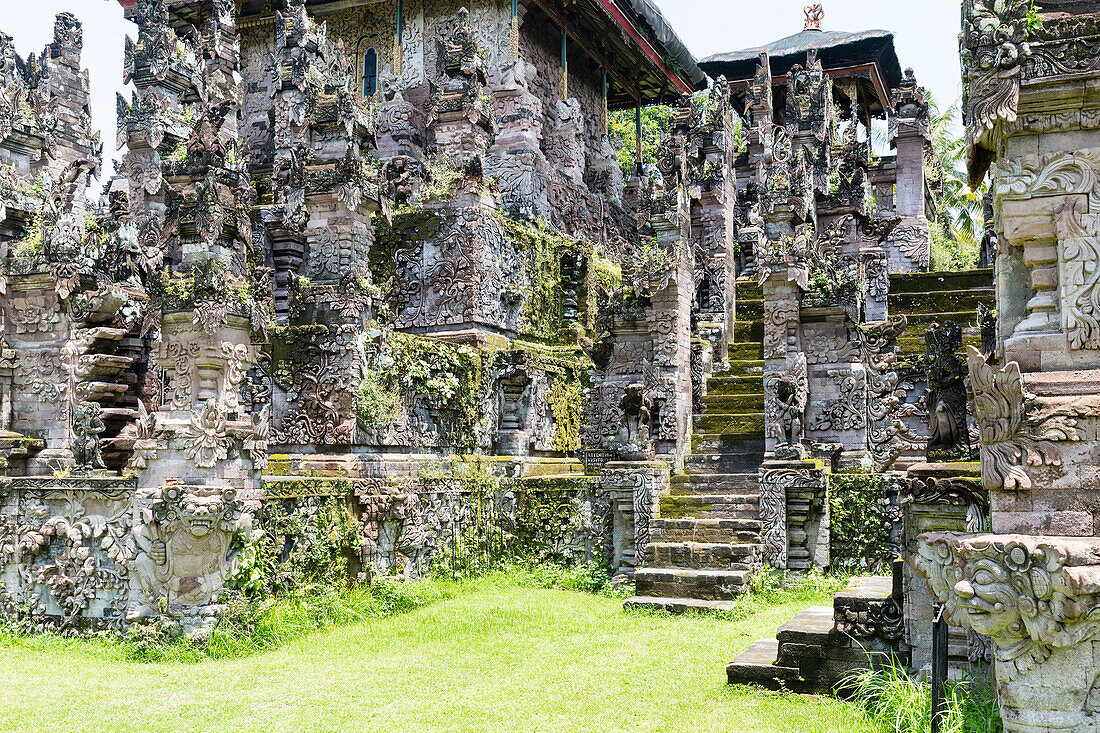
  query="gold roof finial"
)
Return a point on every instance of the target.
[{"x": 814, "y": 15}]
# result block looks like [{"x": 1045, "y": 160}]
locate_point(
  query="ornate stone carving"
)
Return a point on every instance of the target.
[
  {"x": 786, "y": 393},
  {"x": 948, "y": 438},
  {"x": 185, "y": 550},
  {"x": 87, "y": 427},
  {"x": 994, "y": 45},
  {"x": 1036, "y": 598},
  {"x": 1016, "y": 431},
  {"x": 208, "y": 441}
]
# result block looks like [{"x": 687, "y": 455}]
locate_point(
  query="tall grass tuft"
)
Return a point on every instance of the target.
[{"x": 902, "y": 702}]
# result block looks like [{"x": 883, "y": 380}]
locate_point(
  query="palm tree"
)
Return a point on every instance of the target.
[{"x": 959, "y": 226}]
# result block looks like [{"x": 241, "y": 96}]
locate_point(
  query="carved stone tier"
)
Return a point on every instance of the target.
[{"x": 1036, "y": 597}]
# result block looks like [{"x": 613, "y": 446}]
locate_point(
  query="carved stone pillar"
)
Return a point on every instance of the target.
[
  {"x": 633, "y": 488},
  {"x": 794, "y": 514}
]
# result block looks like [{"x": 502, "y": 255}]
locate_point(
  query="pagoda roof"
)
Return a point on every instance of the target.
[
  {"x": 835, "y": 49},
  {"x": 869, "y": 52}
]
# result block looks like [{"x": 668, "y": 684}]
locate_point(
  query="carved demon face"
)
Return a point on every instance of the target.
[
  {"x": 988, "y": 599},
  {"x": 199, "y": 512}
]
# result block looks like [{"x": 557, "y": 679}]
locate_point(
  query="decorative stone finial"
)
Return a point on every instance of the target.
[{"x": 814, "y": 15}]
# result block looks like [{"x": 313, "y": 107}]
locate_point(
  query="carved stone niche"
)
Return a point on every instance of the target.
[
  {"x": 1049, "y": 207},
  {"x": 185, "y": 552},
  {"x": 513, "y": 426},
  {"x": 1038, "y": 599}
]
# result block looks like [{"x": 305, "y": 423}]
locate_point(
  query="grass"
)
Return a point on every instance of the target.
[
  {"x": 901, "y": 702},
  {"x": 501, "y": 653}
]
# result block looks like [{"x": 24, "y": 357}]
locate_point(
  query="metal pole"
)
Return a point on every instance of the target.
[
  {"x": 939, "y": 668},
  {"x": 638, "y": 139},
  {"x": 564, "y": 66},
  {"x": 603, "y": 112}
]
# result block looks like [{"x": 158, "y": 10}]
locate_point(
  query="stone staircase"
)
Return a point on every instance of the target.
[
  {"x": 705, "y": 537},
  {"x": 926, "y": 298},
  {"x": 820, "y": 646},
  {"x": 728, "y": 437},
  {"x": 936, "y": 297}
]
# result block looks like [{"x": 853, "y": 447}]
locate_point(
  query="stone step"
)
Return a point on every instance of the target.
[
  {"x": 745, "y": 458},
  {"x": 734, "y": 402},
  {"x": 943, "y": 301},
  {"x": 925, "y": 282},
  {"x": 704, "y": 584},
  {"x": 812, "y": 625},
  {"x": 695, "y": 484},
  {"x": 918, "y": 323},
  {"x": 677, "y": 605},
  {"x": 710, "y": 555},
  {"x": 749, "y": 289},
  {"x": 749, "y": 310},
  {"x": 748, "y": 331},
  {"x": 718, "y": 422},
  {"x": 757, "y": 666},
  {"x": 716, "y": 506},
  {"x": 746, "y": 367},
  {"x": 746, "y": 443},
  {"x": 733, "y": 384},
  {"x": 728, "y": 531},
  {"x": 752, "y": 350}
]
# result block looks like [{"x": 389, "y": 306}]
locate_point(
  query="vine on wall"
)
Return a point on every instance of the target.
[{"x": 861, "y": 522}]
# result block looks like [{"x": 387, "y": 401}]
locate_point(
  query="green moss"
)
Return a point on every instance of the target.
[
  {"x": 542, "y": 250},
  {"x": 567, "y": 406},
  {"x": 446, "y": 378}
]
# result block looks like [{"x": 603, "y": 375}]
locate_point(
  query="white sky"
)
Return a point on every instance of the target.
[{"x": 926, "y": 36}]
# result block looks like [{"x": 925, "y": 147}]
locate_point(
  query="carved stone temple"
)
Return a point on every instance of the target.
[{"x": 380, "y": 260}]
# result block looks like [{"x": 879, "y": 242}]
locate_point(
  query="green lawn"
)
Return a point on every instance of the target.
[{"x": 497, "y": 657}]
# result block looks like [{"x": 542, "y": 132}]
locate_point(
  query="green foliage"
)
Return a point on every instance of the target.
[
  {"x": 959, "y": 225},
  {"x": 306, "y": 541},
  {"x": 622, "y": 124},
  {"x": 440, "y": 180},
  {"x": 770, "y": 587},
  {"x": 178, "y": 156},
  {"x": 588, "y": 577},
  {"x": 376, "y": 402},
  {"x": 1034, "y": 19},
  {"x": 901, "y": 702},
  {"x": 859, "y": 524},
  {"x": 31, "y": 243},
  {"x": 257, "y": 625},
  {"x": 445, "y": 378}
]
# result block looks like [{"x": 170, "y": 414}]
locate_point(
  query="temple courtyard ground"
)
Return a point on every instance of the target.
[{"x": 499, "y": 655}]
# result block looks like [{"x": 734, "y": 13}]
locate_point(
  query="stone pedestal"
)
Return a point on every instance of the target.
[{"x": 794, "y": 514}]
